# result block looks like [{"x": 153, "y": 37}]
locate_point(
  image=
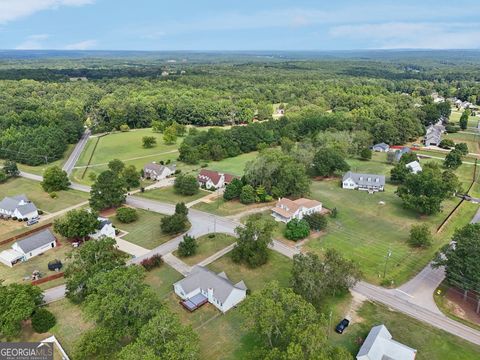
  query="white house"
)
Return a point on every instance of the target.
[
  {"x": 19, "y": 207},
  {"x": 203, "y": 285},
  {"x": 105, "y": 229},
  {"x": 414, "y": 167},
  {"x": 157, "y": 172},
  {"x": 29, "y": 247},
  {"x": 382, "y": 147},
  {"x": 368, "y": 182},
  {"x": 379, "y": 345},
  {"x": 213, "y": 179},
  {"x": 286, "y": 209}
]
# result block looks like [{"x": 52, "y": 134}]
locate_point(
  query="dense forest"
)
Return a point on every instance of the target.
[{"x": 45, "y": 103}]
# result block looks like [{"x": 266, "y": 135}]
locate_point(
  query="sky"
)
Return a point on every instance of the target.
[{"x": 239, "y": 24}]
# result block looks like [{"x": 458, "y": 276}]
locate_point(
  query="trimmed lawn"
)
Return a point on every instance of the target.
[
  {"x": 473, "y": 141},
  {"x": 71, "y": 324},
  {"x": 455, "y": 118},
  {"x": 168, "y": 194},
  {"x": 431, "y": 343},
  {"x": 24, "y": 269},
  {"x": 162, "y": 278},
  {"x": 365, "y": 230},
  {"x": 144, "y": 232},
  {"x": 221, "y": 207},
  {"x": 223, "y": 336},
  {"x": 235, "y": 165},
  {"x": 207, "y": 246},
  {"x": 34, "y": 191}
]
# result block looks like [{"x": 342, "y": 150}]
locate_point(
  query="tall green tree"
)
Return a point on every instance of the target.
[
  {"x": 107, "y": 191},
  {"x": 329, "y": 161},
  {"x": 116, "y": 166},
  {"x": 55, "y": 179},
  {"x": 77, "y": 224},
  {"x": 464, "y": 120},
  {"x": 186, "y": 185},
  {"x": 188, "y": 246},
  {"x": 453, "y": 160},
  {"x": 149, "y": 142},
  {"x": 11, "y": 169},
  {"x": 131, "y": 176}
]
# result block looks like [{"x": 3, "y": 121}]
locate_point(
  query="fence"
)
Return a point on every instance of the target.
[
  {"x": 47, "y": 278},
  {"x": 22, "y": 235}
]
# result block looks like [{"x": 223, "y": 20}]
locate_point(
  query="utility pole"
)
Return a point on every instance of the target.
[
  {"x": 389, "y": 254},
  {"x": 329, "y": 324}
]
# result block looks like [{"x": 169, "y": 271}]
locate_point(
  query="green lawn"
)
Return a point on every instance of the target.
[
  {"x": 455, "y": 118},
  {"x": 223, "y": 336},
  {"x": 126, "y": 146},
  {"x": 222, "y": 207},
  {"x": 145, "y": 231},
  {"x": 38, "y": 170},
  {"x": 208, "y": 246},
  {"x": 33, "y": 190},
  {"x": 431, "y": 343},
  {"x": 168, "y": 194},
  {"x": 24, "y": 269},
  {"x": 162, "y": 278},
  {"x": 235, "y": 165},
  {"x": 365, "y": 230},
  {"x": 473, "y": 141}
]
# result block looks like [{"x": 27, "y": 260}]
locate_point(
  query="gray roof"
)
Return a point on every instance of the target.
[
  {"x": 103, "y": 222},
  {"x": 381, "y": 145},
  {"x": 203, "y": 278},
  {"x": 35, "y": 241},
  {"x": 379, "y": 345},
  {"x": 158, "y": 168},
  {"x": 365, "y": 179},
  {"x": 26, "y": 209},
  {"x": 11, "y": 203}
]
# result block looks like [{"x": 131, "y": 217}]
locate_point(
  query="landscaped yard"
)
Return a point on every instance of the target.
[
  {"x": 431, "y": 343},
  {"x": 144, "y": 232},
  {"x": 34, "y": 191},
  {"x": 162, "y": 278},
  {"x": 207, "y": 246},
  {"x": 22, "y": 270},
  {"x": 168, "y": 194},
  {"x": 126, "y": 146}
]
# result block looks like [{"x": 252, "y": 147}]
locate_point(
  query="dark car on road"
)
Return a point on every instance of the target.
[{"x": 342, "y": 325}]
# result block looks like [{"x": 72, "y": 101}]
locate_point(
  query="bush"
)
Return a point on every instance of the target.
[
  {"x": 462, "y": 148},
  {"x": 420, "y": 236},
  {"x": 247, "y": 196},
  {"x": 188, "y": 246},
  {"x": 127, "y": 215},
  {"x": 152, "y": 262},
  {"x": 186, "y": 185},
  {"x": 181, "y": 208},
  {"x": 334, "y": 213},
  {"x": 446, "y": 144},
  {"x": 452, "y": 129},
  {"x": 40, "y": 212},
  {"x": 365, "y": 154},
  {"x": 43, "y": 320},
  {"x": 316, "y": 221},
  {"x": 53, "y": 195},
  {"x": 297, "y": 229},
  {"x": 124, "y": 128},
  {"x": 174, "y": 224}
]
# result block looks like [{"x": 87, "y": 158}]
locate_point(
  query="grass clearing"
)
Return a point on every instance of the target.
[
  {"x": 162, "y": 278},
  {"x": 235, "y": 165},
  {"x": 144, "y": 232},
  {"x": 472, "y": 140},
  {"x": 24, "y": 269},
  {"x": 221, "y": 207},
  {"x": 34, "y": 191},
  {"x": 431, "y": 343},
  {"x": 168, "y": 194},
  {"x": 207, "y": 246}
]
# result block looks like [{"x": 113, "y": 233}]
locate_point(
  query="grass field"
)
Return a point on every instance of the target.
[
  {"x": 222, "y": 207},
  {"x": 472, "y": 140},
  {"x": 455, "y": 118},
  {"x": 431, "y": 343},
  {"x": 223, "y": 336},
  {"x": 144, "y": 232},
  {"x": 168, "y": 194},
  {"x": 234, "y": 165},
  {"x": 126, "y": 146},
  {"x": 162, "y": 278},
  {"x": 33, "y": 190},
  {"x": 24, "y": 269},
  {"x": 208, "y": 246}
]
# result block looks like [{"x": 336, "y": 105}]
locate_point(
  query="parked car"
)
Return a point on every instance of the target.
[
  {"x": 32, "y": 221},
  {"x": 342, "y": 325},
  {"x": 55, "y": 265}
]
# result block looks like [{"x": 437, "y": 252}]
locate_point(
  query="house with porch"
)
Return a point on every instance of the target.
[
  {"x": 18, "y": 206},
  {"x": 157, "y": 172},
  {"x": 368, "y": 182},
  {"x": 202, "y": 286},
  {"x": 286, "y": 209},
  {"x": 209, "y": 179}
]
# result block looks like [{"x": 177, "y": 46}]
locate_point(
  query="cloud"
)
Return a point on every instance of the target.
[
  {"x": 33, "y": 42},
  {"x": 403, "y": 35},
  {"x": 11, "y": 10},
  {"x": 82, "y": 45}
]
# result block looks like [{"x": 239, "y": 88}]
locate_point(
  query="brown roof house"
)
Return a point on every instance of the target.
[
  {"x": 286, "y": 209},
  {"x": 213, "y": 179}
]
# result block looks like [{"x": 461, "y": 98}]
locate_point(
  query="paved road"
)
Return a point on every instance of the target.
[{"x": 73, "y": 158}]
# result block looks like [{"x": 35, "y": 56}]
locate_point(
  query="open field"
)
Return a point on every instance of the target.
[
  {"x": 223, "y": 336},
  {"x": 33, "y": 190},
  {"x": 126, "y": 146},
  {"x": 168, "y": 194},
  {"x": 455, "y": 118},
  {"x": 431, "y": 343},
  {"x": 144, "y": 232},
  {"x": 208, "y": 246},
  {"x": 24, "y": 269},
  {"x": 472, "y": 140},
  {"x": 234, "y": 165}
]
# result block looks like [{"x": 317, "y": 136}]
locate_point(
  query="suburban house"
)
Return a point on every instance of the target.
[
  {"x": 400, "y": 152},
  {"x": 286, "y": 209},
  {"x": 157, "y": 172},
  {"x": 433, "y": 135},
  {"x": 105, "y": 229},
  {"x": 379, "y": 345},
  {"x": 202, "y": 286},
  {"x": 29, "y": 247},
  {"x": 213, "y": 179},
  {"x": 369, "y": 182},
  {"x": 19, "y": 207},
  {"x": 414, "y": 167},
  {"x": 382, "y": 147}
]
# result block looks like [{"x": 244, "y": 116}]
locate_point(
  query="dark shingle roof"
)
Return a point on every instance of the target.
[{"x": 35, "y": 241}]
